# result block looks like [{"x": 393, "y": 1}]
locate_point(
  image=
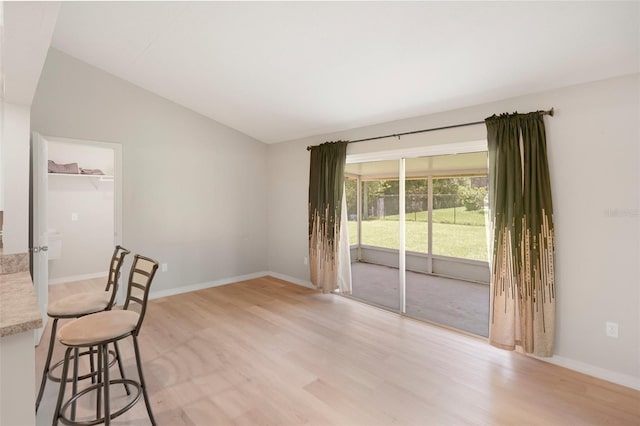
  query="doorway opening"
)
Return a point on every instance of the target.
[{"x": 80, "y": 211}]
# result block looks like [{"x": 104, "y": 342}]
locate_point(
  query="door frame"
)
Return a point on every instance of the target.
[{"x": 117, "y": 190}]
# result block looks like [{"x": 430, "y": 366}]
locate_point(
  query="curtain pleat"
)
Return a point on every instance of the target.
[
  {"x": 522, "y": 261},
  {"x": 326, "y": 188}
]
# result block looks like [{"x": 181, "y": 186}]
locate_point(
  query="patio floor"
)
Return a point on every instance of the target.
[{"x": 454, "y": 303}]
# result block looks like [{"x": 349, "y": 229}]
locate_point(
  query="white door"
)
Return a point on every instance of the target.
[{"x": 39, "y": 239}]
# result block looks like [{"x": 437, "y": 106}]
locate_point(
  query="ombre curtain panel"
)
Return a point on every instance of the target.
[
  {"x": 328, "y": 240},
  {"x": 523, "y": 289}
]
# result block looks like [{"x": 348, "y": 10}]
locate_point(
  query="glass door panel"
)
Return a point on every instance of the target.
[
  {"x": 452, "y": 234},
  {"x": 375, "y": 277}
]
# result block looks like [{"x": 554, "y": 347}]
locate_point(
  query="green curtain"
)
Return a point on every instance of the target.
[
  {"x": 326, "y": 186},
  {"x": 522, "y": 262}
]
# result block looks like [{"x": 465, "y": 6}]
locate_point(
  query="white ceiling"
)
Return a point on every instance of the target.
[{"x": 282, "y": 71}]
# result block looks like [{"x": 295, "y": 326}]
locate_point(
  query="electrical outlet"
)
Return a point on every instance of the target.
[
  {"x": 164, "y": 267},
  {"x": 611, "y": 329},
  {"x": 305, "y": 260},
  {"x": 74, "y": 216}
]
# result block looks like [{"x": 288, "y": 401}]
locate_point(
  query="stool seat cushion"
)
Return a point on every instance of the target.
[
  {"x": 79, "y": 304},
  {"x": 93, "y": 329}
]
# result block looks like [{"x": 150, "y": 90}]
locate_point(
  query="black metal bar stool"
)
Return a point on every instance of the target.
[
  {"x": 76, "y": 306},
  {"x": 99, "y": 330}
]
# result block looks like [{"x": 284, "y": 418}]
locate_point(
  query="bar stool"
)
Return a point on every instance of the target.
[
  {"x": 78, "y": 305},
  {"x": 101, "y": 329}
]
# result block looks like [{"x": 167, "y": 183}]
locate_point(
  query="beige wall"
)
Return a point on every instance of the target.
[
  {"x": 594, "y": 158},
  {"x": 194, "y": 190}
]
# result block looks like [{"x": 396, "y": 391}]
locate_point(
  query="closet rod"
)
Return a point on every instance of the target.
[{"x": 453, "y": 126}]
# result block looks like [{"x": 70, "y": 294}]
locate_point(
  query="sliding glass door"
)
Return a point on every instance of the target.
[{"x": 418, "y": 238}]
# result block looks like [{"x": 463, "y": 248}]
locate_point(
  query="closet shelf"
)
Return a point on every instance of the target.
[
  {"x": 105, "y": 178},
  {"x": 94, "y": 179}
]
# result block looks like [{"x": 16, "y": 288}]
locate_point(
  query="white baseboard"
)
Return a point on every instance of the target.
[
  {"x": 77, "y": 278},
  {"x": 592, "y": 370},
  {"x": 297, "y": 281},
  {"x": 201, "y": 286}
]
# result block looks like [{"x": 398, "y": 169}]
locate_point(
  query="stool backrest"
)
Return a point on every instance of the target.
[
  {"x": 142, "y": 272},
  {"x": 117, "y": 259}
]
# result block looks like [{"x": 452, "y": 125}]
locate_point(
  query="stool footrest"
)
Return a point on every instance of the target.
[
  {"x": 95, "y": 387},
  {"x": 56, "y": 379}
]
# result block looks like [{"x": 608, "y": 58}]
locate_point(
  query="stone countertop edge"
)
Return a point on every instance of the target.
[{"x": 18, "y": 304}]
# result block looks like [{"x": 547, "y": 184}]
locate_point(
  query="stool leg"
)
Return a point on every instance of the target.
[
  {"x": 99, "y": 387},
  {"x": 92, "y": 366},
  {"x": 105, "y": 359},
  {"x": 119, "y": 361},
  {"x": 63, "y": 382},
  {"x": 47, "y": 364},
  {"x": 74, "y": 387},
  {"x": 140, "y": 375}
]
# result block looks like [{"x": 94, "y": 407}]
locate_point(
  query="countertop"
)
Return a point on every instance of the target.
[{"x": 18, "y": 304}]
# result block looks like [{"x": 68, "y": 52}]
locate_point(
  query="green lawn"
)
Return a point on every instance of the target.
[{"x": 456, "y": 240}]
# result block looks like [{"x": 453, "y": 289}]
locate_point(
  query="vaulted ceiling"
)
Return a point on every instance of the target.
[{"x": 284, "y": 70}]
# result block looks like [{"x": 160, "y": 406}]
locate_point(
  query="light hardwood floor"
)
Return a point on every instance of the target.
[{"x": 267, "y": 352}]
